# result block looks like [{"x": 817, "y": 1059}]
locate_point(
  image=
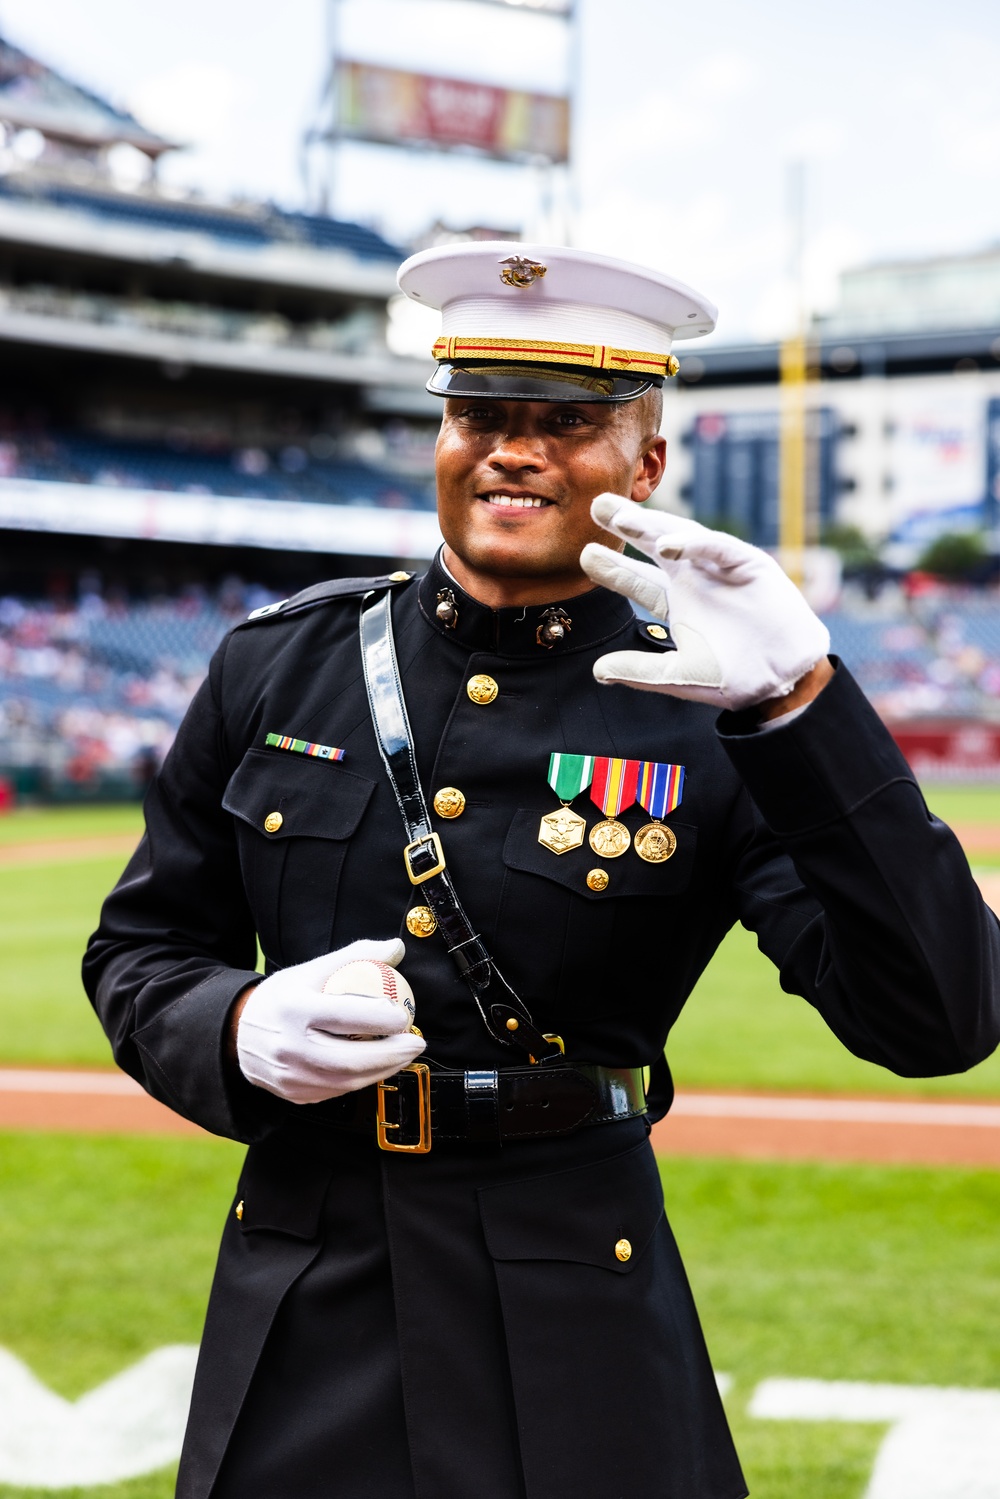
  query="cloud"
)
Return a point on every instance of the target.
[{"x": 192, "y": 102}]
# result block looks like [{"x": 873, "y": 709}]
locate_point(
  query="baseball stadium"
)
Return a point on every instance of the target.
[{"x": 206, "y": 407}]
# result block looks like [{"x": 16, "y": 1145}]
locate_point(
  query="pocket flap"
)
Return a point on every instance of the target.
[
  {"x": 628, "y": 875},
  {"x": 299, "y": 796},
  {"x": 282, "y": 1191},
  {"x": 578, "y": 1215}
]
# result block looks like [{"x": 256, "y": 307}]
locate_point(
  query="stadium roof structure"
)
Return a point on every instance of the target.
[{"x": 34, "y": 96}]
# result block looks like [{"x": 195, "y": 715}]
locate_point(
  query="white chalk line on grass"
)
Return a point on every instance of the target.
[
  {"x": 131, "y": 1425},
  {"x": 941, "y": 1443}
]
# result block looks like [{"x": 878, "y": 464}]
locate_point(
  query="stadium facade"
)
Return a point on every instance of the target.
[
  {"x": 189, "y": 388},
  {"x": 904, "y": 413}
]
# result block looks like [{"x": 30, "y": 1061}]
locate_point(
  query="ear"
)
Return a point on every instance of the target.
[{"x": 649, "y": 468}]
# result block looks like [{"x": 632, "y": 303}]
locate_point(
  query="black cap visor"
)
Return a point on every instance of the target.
[{"x": 537, "y": 382}]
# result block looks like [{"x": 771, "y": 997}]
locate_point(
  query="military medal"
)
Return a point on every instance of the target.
[
  {"x": 613, "y": 790},
  {"x": 659, "y": 790},
  {"x": 568, "y": 776}
]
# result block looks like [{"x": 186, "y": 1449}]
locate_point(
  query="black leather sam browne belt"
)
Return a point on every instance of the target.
[{"x": 490, "y": 1105}]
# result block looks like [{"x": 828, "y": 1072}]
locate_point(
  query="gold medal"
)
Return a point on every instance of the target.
[
  {"x": 655, "y": 843},
  {"x": 560, "y": 831},
  {"x": 610, "y": 839}
]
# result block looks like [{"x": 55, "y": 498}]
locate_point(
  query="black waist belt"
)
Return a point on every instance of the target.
[{"x": 410, "y": 1108}]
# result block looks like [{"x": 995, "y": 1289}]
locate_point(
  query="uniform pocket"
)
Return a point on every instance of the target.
[
  {"x": 613, "y": 1389},
  {"x": 576, "y": 934},
  {"x": 603, "y": 1215},
  {"x": 282, "y": 1191},
  {"x": 295, "y": 817}
]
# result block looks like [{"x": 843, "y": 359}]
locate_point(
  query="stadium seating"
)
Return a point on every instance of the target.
[
  {"x": 99, "y": 686},
  {"x": 76, "y": 459},
  {"x": 252, "y": 226}
]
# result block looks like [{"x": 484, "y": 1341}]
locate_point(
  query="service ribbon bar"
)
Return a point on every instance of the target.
[
  {"x": 614, "y": 784},
  {"x": 660, "y": 787},
  {"x": 304, "y": 747},
  {"x": 570, "y": 774}
]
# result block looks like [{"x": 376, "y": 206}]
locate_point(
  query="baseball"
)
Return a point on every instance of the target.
[{"x": 369, "y": 977}]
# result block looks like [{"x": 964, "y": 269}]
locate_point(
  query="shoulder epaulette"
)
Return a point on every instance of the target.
[{"x": 324, "y": 593}]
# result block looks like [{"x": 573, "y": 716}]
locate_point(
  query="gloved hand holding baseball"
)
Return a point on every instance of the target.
[
  {"x": 743, "y": 631},
  {"x": 303, "y": 1044}
]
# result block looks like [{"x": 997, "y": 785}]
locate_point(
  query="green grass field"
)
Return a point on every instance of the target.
[
  {"x": 812, "y": 1271},
  {"x": 830, "y": 1272}
]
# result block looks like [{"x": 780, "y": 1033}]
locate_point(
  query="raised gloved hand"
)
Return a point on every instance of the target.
[
  {"x": 293, "y": 1039},
  {"x": 743, "y": 631}
]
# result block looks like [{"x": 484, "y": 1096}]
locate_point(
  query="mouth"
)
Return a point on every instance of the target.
[{"x": 500, "y": 500}]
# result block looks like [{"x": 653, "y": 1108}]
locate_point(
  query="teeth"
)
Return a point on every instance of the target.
[{"x": 516, "y": 502}]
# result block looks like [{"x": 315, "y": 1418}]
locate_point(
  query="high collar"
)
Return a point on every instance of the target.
[{"x": 594, "y": 617}]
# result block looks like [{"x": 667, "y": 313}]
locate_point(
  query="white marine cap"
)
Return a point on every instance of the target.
[{"x": 543, "y": 322}]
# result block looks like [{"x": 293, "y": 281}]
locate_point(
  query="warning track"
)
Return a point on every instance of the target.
[{"x": 748, "y": 1125}]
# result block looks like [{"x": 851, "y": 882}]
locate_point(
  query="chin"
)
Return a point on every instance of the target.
[{"x": 514, "y": 561}]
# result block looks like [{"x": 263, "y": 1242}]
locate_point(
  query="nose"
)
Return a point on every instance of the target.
[{"x": 517, "y": 452}]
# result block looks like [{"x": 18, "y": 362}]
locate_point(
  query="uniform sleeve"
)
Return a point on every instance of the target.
[
  {"x": 176, "y": 942},
  {"x": 862, "y": 898}
]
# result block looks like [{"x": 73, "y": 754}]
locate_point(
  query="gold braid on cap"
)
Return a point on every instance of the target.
[{"x": 540, "y": 351}]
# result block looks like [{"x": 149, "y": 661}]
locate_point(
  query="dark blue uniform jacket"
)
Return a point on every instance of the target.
[{"x": 511, "y": 1338}]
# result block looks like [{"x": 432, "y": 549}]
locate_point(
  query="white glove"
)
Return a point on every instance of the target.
[
  {"x": 292, "y": 1039},
  {"x": 743, "y": 631}
]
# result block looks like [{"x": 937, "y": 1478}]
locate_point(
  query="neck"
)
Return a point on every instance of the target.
[{"x": 501, "y": 592}]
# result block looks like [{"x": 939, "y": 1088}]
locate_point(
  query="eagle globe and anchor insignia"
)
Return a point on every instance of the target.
[{"x": 518, "y": 270}]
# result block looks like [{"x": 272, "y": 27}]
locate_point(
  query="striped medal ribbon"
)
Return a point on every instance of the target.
[
  {"x": 613, "y": 789},
  {"x": 303, "y": 747},
  {"x": 568, "y": 776},
  {"x": 659, "y": 791}
]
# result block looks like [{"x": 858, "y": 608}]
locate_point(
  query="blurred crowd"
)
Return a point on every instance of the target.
[{"x": 92, "y": 690}]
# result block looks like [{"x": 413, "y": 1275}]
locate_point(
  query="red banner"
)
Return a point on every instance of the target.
[{"x": 394, "y": 107}]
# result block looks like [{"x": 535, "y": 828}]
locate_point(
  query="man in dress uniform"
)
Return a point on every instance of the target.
[{"x": 446, "y": 1271}]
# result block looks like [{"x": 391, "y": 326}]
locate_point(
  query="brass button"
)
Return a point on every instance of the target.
[
  {"x": 449, "y": 802},
  {"x": 239, "y": 1210},
  {"x": 400, "y": 577},
  {"x": 657, "y": 632},
  {"x": 421, "y": 922},
  {"x": 482, "y": 689},
  {"x": 272, "y": 822},
  {"x": 623, "y": 1250},
  {"x": 512, "y": 1024},
  {"x": 598, "y": 879}
]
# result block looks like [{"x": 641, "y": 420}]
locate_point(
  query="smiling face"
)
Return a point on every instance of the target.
[{"x": 515, "y": 480}]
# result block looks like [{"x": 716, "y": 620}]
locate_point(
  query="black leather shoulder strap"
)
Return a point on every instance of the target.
[
  {"x": 504, "y": 1014},
  {"x": 324, "y": 593}
]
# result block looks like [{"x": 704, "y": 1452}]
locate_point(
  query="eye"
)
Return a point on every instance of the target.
[
  {"x": 479, "y": 413},
  {"x": 567, "y": 420}
]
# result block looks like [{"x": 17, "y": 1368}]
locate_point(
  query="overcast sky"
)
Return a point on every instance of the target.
[{"x": 689, "y": 116}]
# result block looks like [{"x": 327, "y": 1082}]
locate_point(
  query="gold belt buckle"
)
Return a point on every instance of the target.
[
  {"x": 435, "y": 842},
  {"x": 422, "y": 1073}
]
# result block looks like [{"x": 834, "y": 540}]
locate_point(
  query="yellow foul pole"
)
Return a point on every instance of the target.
[
  {"x": 792, "y": 475},
  {"x": 792, "y": 458}
]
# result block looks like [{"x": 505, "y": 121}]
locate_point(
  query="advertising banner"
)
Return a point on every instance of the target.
[
  {"x": 937, "y": 460},
  {"x": 394, "y": 107}
]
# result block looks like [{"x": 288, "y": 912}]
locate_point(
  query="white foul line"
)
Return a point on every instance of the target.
[
  {"x": 107, "y": 1084},
  {"x": 836, "y": 1110}
]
